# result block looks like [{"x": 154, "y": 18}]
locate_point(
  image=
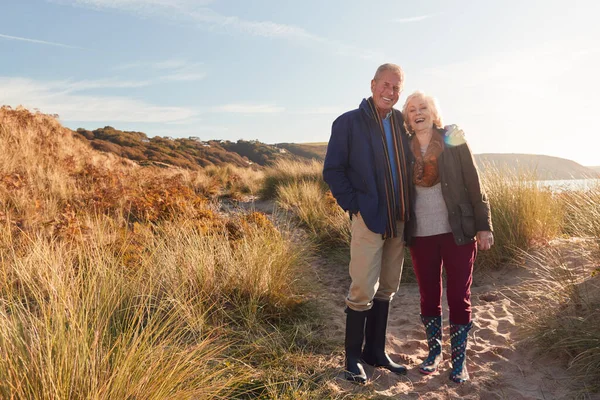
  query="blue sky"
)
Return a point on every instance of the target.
[{"x": 518, "y": 76}]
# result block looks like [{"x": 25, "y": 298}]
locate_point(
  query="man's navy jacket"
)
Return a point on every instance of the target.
[{"x": 355, "y": 165}]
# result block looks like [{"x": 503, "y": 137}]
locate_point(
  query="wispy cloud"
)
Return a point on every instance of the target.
[
  {"x": 70, "y": 86},
  {"x": 196, "y": 13},
  {"x": 38, "y": 41},
  {"x": 173, "y": 70},
  {"x": 248, "y": 108},
  {"x": 413, "y": 19},
  {"x": 61, "y": 97}
]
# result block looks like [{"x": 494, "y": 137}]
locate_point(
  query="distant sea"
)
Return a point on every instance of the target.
[{"x": 571, "y": 184}]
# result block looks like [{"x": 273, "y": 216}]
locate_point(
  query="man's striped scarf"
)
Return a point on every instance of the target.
[{"x": 396, "y": 208}]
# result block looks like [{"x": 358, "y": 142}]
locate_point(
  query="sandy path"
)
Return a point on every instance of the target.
[{"x": 500, "y": 368}]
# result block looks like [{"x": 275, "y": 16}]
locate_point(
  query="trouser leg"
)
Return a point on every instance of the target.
[
  {"x": 427, "y": 264},
  {"x": 392, "y": 261},
  {"x": 458, "y": 263},
  {"x": 366, "y": 253},
  {"x": 389, "y": 280}
]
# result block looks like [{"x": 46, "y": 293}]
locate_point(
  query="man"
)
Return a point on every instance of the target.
[{"x": 367, "y": 169}]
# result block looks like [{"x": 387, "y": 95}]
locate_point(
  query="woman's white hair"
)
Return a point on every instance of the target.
[{"x": 431, "y": 104}]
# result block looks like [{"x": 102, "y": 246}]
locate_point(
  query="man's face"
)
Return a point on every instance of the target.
[{"x": 386, "y": 91}]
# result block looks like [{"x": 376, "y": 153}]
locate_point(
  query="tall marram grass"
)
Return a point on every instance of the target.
[
  {"x": 77, "y": 324},
  {"x": 226, "y": 181},
  {"x": 119, "y": 281},
  {"x": 141, "y": 313},
  {"x": 287, "y": 172},
  {"x": 582, "y": 214},
  {"x": 327, "y": 224},
  {"x": 563, "y": 311},
  {"x": 523, "y": 214}
]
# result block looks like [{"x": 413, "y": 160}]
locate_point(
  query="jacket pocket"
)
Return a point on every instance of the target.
[{"x": 467, "y": 219}]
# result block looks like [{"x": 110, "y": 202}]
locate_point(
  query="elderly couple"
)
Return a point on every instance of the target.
[{"x": 404, "y": 178}]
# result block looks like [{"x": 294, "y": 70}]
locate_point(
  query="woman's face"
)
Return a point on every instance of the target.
[{"x": 419, "y": 114}]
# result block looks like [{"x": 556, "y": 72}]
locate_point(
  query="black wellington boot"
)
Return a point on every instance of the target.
[
  {"x": 355, "y": 334},
  {"x": 374, "y": 352}
]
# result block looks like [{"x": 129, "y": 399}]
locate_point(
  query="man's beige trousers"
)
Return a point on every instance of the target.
[{"x": 375, "y": 265}]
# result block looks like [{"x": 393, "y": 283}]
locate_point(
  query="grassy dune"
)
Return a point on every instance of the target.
[
  {"x": 118, "y": 280},
  {"x": 122, "y": 281}
]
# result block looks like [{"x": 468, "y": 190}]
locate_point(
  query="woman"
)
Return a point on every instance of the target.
[{"x": 450, "y": 215}]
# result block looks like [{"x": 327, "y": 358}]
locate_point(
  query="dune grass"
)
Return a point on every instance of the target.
[
  {"x": 327, "y": 224},
  {"x": 234, "y": 182},
  {"x": 563, "y": 311},
  {"x": 287, "y": 172},
  {"x": 582, "y": 214},
  {"x": 120, "y": 281},
  {"x": 523, "y": 215},
  {"x": 77, "y": 324},
  {"x": 165, "y": 311}
]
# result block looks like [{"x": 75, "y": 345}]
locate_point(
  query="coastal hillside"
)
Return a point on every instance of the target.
[
  {"x": 543, "y": 167},
  {"x": 191, "y": 153},
  {"x": 195, "y": 153}
]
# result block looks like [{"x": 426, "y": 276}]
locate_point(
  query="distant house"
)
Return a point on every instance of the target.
[
  {"x": 283, "y": 151},
  {"x": 167, "y": 137},
  {"x": 196, "y": 138}
]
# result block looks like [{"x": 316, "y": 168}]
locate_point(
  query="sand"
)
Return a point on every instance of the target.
[{"x": 501, "y": 365}]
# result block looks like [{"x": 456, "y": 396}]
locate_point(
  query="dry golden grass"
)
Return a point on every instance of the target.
[
  {"x": 287, "y": 171},
  {"x": 119, "y": 281},
  {"x": 326, "y": 223},
  {"x": 523, "y": 214},
  {"x": 226, "y": 182},
  {"x": 582, "y": 214},
  {"x": 563, "y": 311}
]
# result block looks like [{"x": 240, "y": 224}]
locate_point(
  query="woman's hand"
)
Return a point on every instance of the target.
[{"x": 485, "y": 239}]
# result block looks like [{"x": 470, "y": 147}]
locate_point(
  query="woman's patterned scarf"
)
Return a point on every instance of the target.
[{"x": 426, "y": 171}]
